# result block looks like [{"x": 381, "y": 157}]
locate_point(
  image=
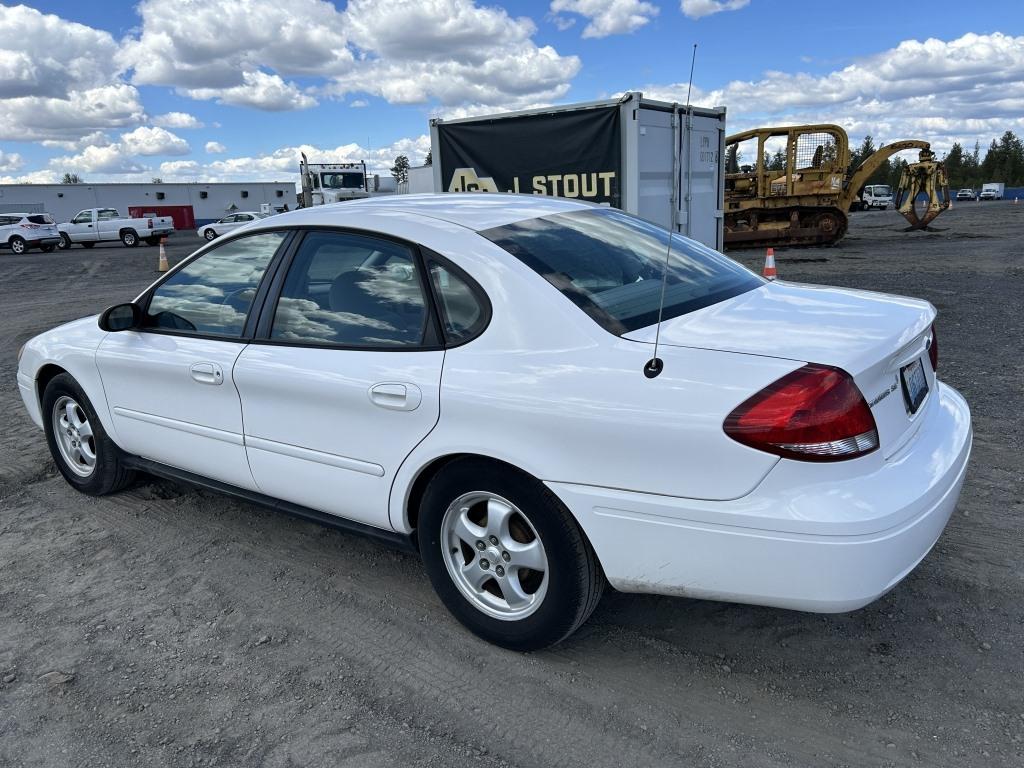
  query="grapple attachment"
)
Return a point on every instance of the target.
[{"x": 927, "y": 177}]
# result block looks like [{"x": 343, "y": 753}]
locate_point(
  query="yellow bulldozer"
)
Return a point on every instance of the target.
[{"x": 802, "y": 194}]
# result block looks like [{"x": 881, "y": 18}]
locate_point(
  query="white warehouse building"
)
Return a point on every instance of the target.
[{"x": 190, "y": 205}]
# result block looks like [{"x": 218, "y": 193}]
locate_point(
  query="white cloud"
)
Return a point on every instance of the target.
[
  {"x": 11, "y": 161},
  {"x": 696, "y": 9},
  {"x": 42, "y": 55},
  {"x": 32, "y": 177},
  {"x": 608, "y": 17},
  {"x": 109, "y": 159},
  {"x": 177, "y": 120},
  {"x": 940, "y": 91},
  {"x": 283, "y": 164},
  {"x": 215, "y": 148},
  {"x": 359, "y": 104},
  {"x": 153, "y": 141},
  {"x": 176, "y": 169},
  {"x": 451, "y": 51},
  {"x": 38, "y": 118},
  {"x": 260, "y": 91},
  {"x": 220, "y": 49}
]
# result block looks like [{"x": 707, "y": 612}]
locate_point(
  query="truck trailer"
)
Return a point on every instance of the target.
[{"x": 657, "y": 160}]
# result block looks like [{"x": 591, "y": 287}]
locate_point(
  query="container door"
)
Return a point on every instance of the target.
[{"x": 700, "y": 179}]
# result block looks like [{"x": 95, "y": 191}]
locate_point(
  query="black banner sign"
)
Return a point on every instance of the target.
[{"x": 564, "y": 154}]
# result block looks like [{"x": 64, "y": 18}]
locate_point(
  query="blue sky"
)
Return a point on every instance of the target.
[{"x": 233, "y": 89}]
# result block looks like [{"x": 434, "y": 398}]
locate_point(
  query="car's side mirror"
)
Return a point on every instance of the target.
[{"x": 121, "y": 317}]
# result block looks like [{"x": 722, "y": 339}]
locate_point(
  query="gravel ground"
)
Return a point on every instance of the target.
[{"x": 171, "y": 626}]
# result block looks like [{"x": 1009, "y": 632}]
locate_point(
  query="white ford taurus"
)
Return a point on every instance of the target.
[{"x": 471, "y": 376}]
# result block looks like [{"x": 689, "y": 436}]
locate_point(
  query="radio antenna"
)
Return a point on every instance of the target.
[{"x": 655, "y": 365}]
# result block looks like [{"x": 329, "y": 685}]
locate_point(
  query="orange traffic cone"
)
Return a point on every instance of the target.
[
  {"x": 162, "y": 264},
  {"x": 769, "y": 265}
]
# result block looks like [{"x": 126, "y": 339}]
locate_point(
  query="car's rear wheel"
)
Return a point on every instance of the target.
[
  {"x": 85, "y": 455},
  {"x": 18, "y": 245},
  {"x": 209, "y": 234},
  {"x": 505, "y": 556},
  {"x": 129, "y": 238}
]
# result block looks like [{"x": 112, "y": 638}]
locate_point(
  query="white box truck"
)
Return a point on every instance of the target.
[
  {"x": 992, "y": 191},
  {"x": 659, "y": 161}
]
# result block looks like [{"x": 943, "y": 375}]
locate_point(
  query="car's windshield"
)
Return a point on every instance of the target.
[
  {"x": 611, "y": 264},
  {"x": 881, "y": 189},
  {"x": 351, "y": 180}
]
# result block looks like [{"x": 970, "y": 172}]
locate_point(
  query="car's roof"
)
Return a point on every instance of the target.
[
  {"x": 476, "y": 211},
  {"x": 19, "y": 213}
]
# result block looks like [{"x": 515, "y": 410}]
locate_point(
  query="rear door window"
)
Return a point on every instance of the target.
[
  {"x": 352, "y": 291},
  {"x": 611, "y": 264}
]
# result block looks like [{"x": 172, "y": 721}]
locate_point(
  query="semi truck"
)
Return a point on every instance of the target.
[
  {"x": 324, "y": 183},
  {"x": 658, "y": 160}
]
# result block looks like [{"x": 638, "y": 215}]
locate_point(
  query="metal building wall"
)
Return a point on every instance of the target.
[{"x": 63, "y": 201}]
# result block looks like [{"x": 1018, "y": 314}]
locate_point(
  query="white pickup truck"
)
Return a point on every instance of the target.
[{"x": 96, "y": 225}]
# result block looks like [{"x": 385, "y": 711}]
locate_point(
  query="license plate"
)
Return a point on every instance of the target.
[{"x": 915, "y": 385}]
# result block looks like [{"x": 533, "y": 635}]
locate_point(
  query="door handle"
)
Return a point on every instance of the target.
[
  {"x": 207, "y": 373},
  {"x": 396, "y": 397}
]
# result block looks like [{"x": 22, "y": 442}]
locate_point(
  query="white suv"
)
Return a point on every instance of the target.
[{"x": 21, "y": 231}]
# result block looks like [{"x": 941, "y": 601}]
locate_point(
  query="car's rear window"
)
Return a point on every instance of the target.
[
  {"x": 42, "y": 218},
  {"x": 610, "y": 264}
]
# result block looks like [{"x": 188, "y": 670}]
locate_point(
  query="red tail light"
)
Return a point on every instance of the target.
[
  {"x": 29, "y": 226},
  {"x": 815, "y": 413},
  {"x": 933, "y": 349}
]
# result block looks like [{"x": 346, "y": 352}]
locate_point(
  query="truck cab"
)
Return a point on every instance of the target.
[
  {"x": 324, "y": 183},
  {"x": 877, "y": 196}
]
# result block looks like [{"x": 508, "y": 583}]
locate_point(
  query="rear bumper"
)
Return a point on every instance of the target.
[{"x": 825, "y": 547}]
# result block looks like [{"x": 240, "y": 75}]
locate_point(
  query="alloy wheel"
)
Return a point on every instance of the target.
[
  {"x": 74, "y": 436},
  {"x": 494, "y": 555}
]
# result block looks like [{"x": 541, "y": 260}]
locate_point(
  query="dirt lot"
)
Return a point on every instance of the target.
[{"x": 169, "y": 626}]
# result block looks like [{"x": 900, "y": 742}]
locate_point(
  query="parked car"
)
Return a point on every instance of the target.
[
  {"x": 992, "y": 191},
  {"x": 483, "y": 379},
  {"x": 95, "y": 225},
  {"x": 965, "y": 194},
  {"x": 229, "y": 223},
  {"x": 23, "y": 231}
]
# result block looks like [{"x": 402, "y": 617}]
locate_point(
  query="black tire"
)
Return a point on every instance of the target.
[
  {"x": 18, "y": 245},
  {"x": 130, "y": 238},
  {"x": 109, "y": 473},
  {"x": 47, "y": 248},
  {"x": 88, "y": 244},
  {"x": 575, "y": 579},
  {"x": 65, "y": 241},
  {"x": 209, "y": 235}
]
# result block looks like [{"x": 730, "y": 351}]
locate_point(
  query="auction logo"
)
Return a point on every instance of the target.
[{"x": 466, "y": 180}]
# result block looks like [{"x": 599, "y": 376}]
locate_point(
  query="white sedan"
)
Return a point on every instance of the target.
[
  {"x": 229, "y": 223},
  {"x": 474, "y": 377}
]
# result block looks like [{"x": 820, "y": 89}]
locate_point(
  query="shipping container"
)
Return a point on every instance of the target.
[{"x": 654, "y": 159}]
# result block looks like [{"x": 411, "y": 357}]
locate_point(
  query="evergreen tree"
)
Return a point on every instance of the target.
[{"x": 400, "y": 170}]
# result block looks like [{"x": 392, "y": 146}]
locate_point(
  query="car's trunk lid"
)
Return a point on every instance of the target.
[{"x": 869, "y": 335}]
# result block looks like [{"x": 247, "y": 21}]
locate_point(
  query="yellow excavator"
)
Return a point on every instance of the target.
[{"x": 801, "y": 195}]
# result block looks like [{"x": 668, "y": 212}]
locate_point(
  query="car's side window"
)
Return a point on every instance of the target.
[
  {"x": 84, "y": 217},
  {"x": 107, "y": 214},
  {"x": 352, "y": 291},
  {"x": 212, "y": 295},
  {"x": 462, "y": 313}
]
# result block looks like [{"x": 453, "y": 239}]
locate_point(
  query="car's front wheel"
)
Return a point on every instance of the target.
[
  {"x": 505, "y": 555},
  {"x": 18, "y": 245},
  {"x": 209, "y": 234},
  {"x": 65, "y": 241},
  {"x": 84, "y": 453}
]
